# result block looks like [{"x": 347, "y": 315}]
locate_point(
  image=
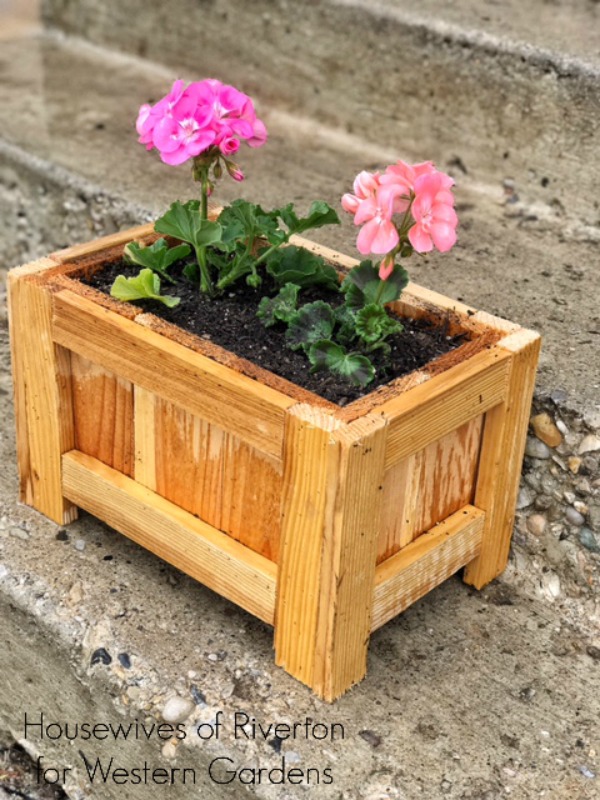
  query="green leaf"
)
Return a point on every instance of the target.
[
  {"x": 144, "y": 286},
  {"x": 280, "y": 308},
  {"x": 326, "y": 354},
  {"x": 157, "y": 257},
  {"x": 242, "y": 264},
  {"x": 312, "y": 322},
  {"x": 373, "y": 323},
  {"x": 363, "y": 286},
  {"x": 346, "y": 320},
  {"x": 319, "y": 214},
  {"x": 183, "y": 221},
  {"x": 298, "y": 265},
  {"x": 243, "y": 222}
]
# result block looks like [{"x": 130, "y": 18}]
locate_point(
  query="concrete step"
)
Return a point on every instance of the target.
[
  {"x": 70, "y": 169},
  {"x": 503, "y": 89},
  {"x": 468, "y": 694}
]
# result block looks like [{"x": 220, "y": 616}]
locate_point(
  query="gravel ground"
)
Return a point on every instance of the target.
[{"x": 18, "y": 777}]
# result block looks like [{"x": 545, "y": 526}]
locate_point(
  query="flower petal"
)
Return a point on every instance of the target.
[
  {"x": 419, "y": 239},
  {"x": 443, "y": 235}
]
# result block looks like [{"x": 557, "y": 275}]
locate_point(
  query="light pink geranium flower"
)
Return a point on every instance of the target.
[
  {"x": 379, "y": 198},
  {"x": 434, "y": 214},
  {"x": 365, "y": 185},
  {"x": 379, "y": 235}
]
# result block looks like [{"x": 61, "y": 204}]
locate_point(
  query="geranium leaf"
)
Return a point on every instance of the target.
[
  {"x": 312, "y": 322},
  {"x": 325, "y": 354},
  {"x": 280, "y": 308},
  {"x": 183, "y": 221},
  {"x": 373, "y": 323},
  {"x": 144, "y": 286},
  {"x": 319, "y": 214},
  {"x": 298, "y": 265},
  {"x": 157, "y": 257},
  {"x": 363, "y": 286}
]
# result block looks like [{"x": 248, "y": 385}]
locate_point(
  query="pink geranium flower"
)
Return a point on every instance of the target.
[
  {"x": 190, "y": 120},
  {"x": 434, "y": 214}
]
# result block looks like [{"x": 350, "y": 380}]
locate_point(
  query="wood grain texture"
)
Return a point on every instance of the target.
[
  {"x": 331, "y": 516},
  {"x": 428, "y": 486},
  {"x": 441, "y": 405},
  {"x": 43, "y": 401},
  {"x": 249, "y": 410},
  {"x": 425, "y": 563},
  {"x": 208, "y": 555},
  {"x": 144, "y": 437},
  {"x": 102, "y": 243},
  {"x": 502, "y": 458},
  {"x": 102, "y": 414},
  {"x": 218, "y": 477}
]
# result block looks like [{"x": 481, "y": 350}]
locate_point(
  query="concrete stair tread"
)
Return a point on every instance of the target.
[
  {"x": 568, "y": 30},
  {"x": 67, "y": 111},
  {"x": 459, "y": 692}
]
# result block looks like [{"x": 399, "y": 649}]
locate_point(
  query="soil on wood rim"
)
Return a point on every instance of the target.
[{"x": 230, "y": 321}]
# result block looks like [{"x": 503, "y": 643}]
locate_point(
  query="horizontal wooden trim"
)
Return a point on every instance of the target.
[
  {"x": 216, "y": 393},
  {"x": 441, "y": 405},
  {"x": 198, "y": 549},
  {"x": 102, "y": 243},
  {"x": 425, "y": 563}
]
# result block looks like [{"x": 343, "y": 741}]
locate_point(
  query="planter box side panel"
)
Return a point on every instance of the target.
[
  {"x": 189, "y": 461},
  {"x": 218, "y": 477},
  {"x": 102, "y": 414},
  {"x": 428, "y": 486}
]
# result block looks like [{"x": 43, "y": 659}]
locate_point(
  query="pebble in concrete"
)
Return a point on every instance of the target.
[
  {"x": 19, "y": 533},
  {"x": 589, "y": 444},
  {"x": 536, "y": 524},
  {"x": 574, "y": 463},
  {"x": 589, "y": 540},
  {"x": 545, "y": 430},
  {"x": 536, "y": 449},
  {"x": 574, "y": 517},
  {"x": 177, "y": 709}
]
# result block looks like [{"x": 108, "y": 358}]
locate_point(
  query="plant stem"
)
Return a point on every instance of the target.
[{"x": 206, "y": 284}]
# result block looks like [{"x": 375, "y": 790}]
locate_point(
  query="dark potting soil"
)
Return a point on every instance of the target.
[{"x": 230, "y": 321}]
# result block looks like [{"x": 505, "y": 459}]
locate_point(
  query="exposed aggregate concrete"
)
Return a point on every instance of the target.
[{"x": 469, "y": 696}]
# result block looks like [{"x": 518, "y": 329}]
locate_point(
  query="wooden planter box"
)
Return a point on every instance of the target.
[{"x": 323, "y": 521}]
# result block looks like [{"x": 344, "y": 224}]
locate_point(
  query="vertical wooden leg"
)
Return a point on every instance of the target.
[
  {"x": 330, "y": 528},
  {"x": 501, "y": 459},
  {"x": 42, "y": 386}
]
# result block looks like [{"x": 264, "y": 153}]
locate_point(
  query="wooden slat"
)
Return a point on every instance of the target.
[
  {"x": 102, "y": 243},
  {"x": 144, "y": 424},
  {"x": 431, "y": 410},
  {"x": 429, "y": 486},
  {"x": 252, "y": 491},
  {"x": 236, "y": 403},
  {"x": 502, "y": 457},
  {"x": 425, "y": 563},
  {"x": 190, "y": 454},
  {"x": 43, "y": 401},
  {"x": 331, "y": 514},
  {"x": 102, "y": 414},
  {"x": 198, "y": 549}
]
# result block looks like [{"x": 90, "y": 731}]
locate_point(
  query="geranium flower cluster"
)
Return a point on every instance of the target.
[
  {"x": 192, "y": 119},
  {"x": 407, "y": 203}
]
